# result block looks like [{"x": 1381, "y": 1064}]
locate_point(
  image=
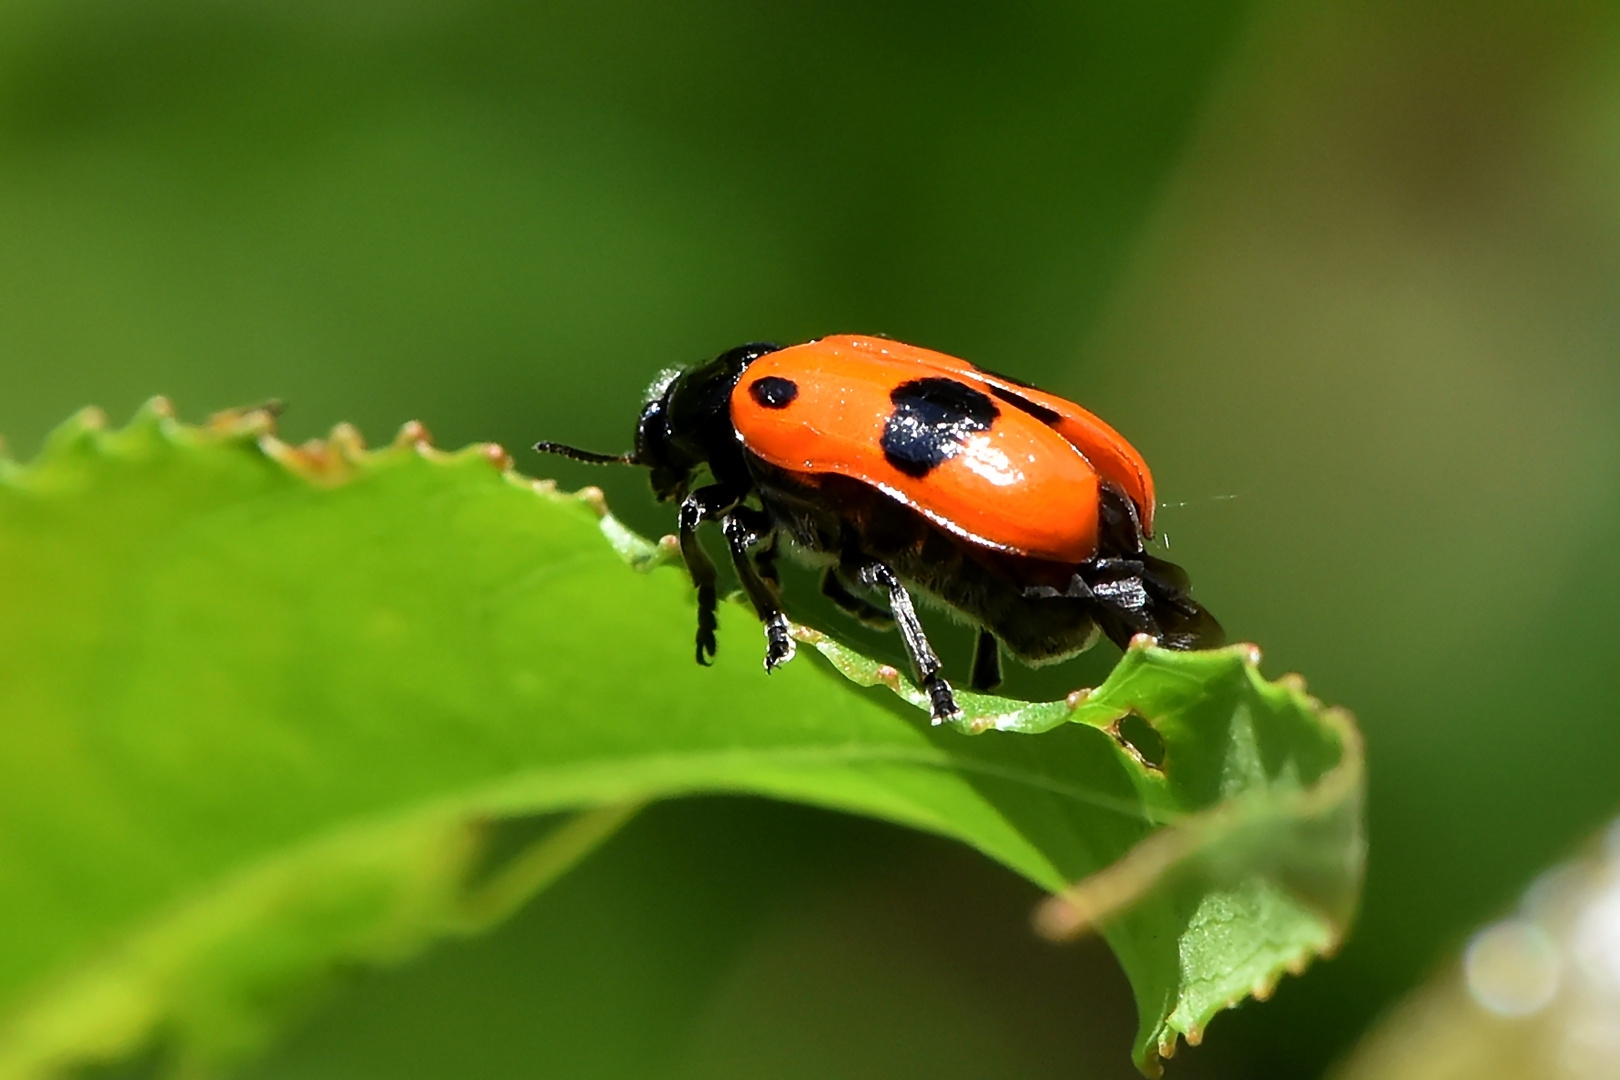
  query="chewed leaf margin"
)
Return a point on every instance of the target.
[
  {"x": 336, "y": 459},
  {"x": 1275, "y": 833}
]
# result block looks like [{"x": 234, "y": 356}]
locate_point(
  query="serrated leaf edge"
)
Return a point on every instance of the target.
[
  {"x": 1092, "y": 902},
  {"x": 340, "y": 457},
  {"x": 343, "y": 455}
]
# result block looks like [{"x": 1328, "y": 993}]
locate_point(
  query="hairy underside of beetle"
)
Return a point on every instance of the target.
[{"x": 1042, "y": 611}]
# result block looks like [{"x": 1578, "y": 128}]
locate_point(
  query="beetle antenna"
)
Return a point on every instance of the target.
[{"x": 585, "y": 455}]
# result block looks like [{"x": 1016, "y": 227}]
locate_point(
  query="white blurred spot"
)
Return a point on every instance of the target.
[
  {"x": 1595, "y": 941},
  {"x": 1591, "y": 1046},
  {"x": 1513, "y": 968}
]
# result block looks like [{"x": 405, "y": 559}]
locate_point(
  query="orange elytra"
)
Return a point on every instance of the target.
[
  {"x": 895, "y": 470},
  {"x": 1026, "y": 484}
]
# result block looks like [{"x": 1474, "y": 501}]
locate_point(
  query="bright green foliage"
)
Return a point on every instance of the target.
[{"x": 260, "y": 705}]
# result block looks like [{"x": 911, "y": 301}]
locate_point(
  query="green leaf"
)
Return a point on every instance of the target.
[{"x": 262, "y": 704}]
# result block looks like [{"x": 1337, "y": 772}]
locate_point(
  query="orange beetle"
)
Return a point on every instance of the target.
[{"x": 897, "y": 469}]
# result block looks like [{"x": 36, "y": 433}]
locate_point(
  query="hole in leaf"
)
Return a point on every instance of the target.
[{"x": 1142, "y": 739}]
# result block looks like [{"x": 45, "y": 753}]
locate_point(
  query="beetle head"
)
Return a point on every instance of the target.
[{"x": 685, "y": 424}]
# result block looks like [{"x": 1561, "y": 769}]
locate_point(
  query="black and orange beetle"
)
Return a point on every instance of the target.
[{"x": 898, "y": 469}]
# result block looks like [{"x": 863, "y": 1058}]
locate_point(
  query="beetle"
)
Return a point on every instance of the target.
[{"x": 899, "y": 470}]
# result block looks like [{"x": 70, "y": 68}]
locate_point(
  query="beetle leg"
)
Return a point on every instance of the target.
[
  {"x": 743, "y": 529},
  {"x": 940, "y": 696},
  {"x": 1148, "y": 596},
  {"x": 1167, "y": 583},
  {"x": 765, "y": 561},
  {"x": 834, "y": 589},
  {"x": 1077, "y": 590},
  {"x": 1118, "y": 568},
  {"x": 986, "y": 662},
  {"x": 704, "y": 503}
]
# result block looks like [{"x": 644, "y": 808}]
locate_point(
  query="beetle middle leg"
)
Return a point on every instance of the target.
[
  {"x": 745, "y": 527},
  {"x": 834, "y": 589},
  {"x": 875, "y": 575}
]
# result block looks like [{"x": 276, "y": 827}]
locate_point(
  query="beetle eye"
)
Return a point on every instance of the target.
[{"x": 773, "y": 392}]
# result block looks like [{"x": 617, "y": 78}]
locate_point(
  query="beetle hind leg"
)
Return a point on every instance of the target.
[
  {"x": 941, "y": 698},
  {"x": 1146, "y": 595},
  {"x": 1182, "y": 623},
  {"x": 834, "y": 589}
]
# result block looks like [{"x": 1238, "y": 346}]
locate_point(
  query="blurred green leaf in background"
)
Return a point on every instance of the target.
[
  {"x": 1346, "y": 273},
  {"x": 1534, "y": 994}
]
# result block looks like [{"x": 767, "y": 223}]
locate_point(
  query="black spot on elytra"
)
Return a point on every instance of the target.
[
  {"x": 773, "y": 391},
  {"x": 1039, "y": 412},
  {"x": 932, "y": 418}
]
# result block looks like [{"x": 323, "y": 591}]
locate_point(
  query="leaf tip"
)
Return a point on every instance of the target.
[
  {"x": 88, "y": 420},
  {"x": 1295, "y": 965},
  {"x": 77, "y": 433},
  {"x": 346, "y": 441},
  {"x": 316, "y": 460},
  {"x": 1056, "y": 919},
  {"x": 496, "y": 455},
  {"x": 247, "y": 422},
  {"x": 413, "y": 435}
]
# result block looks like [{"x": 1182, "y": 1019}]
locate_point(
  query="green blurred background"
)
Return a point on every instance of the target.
[{"x": 1347, "y": 273}]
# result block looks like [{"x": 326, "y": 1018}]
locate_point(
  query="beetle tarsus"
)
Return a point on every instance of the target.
[
  {"x": 708, "y": 623},
  {"x": 941, "y": 699},
  {"x": 779, "y": 644}
]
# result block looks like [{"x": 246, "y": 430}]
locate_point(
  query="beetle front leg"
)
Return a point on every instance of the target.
[
  {"x": 702, "y": 504},
  {"x": 875, "y": 575}
]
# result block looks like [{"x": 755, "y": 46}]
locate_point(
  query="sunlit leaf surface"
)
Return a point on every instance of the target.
[{"x": 261, "y": 705}]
